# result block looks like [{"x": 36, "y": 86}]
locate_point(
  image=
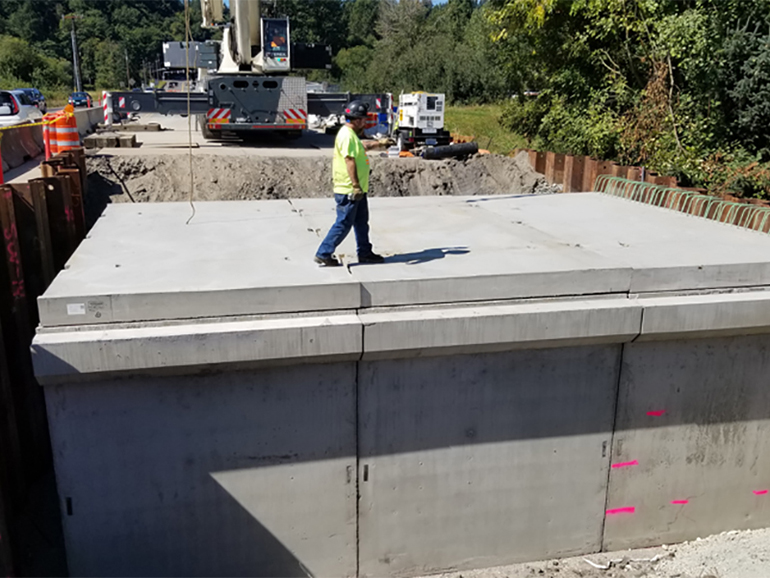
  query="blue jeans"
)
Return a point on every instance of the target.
[{"x": 350, "y": 215}]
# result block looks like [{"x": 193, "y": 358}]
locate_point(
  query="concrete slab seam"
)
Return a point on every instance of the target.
[
  {"x": 358, "y": 449},
  {"x": 641, "y": 324},
  {"x": 619, "y": 369}
]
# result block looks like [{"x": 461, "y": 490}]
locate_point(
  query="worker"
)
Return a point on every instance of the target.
[{"x": 350, "y": 175}]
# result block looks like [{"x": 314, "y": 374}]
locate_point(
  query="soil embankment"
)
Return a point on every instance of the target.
[{"x": 167, "y": 177}]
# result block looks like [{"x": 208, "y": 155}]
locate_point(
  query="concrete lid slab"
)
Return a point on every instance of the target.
[
  {"x": 142, "y": 262},
  {"x": 668, "y": 250},
  {"x": 444, "y": 250}
]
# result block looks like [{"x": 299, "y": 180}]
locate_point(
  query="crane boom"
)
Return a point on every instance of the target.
[
  {"x": 241, "y": 50},
  {"x": 213, "y": 12}
]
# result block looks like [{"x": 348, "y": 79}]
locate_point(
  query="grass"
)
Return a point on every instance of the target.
[{"x": 482, "y": 124}]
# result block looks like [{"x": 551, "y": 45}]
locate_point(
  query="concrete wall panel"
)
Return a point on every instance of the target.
[
  {"x": 229, "y": 474},
  {"x": 479, "y": 460},
  {"x": 695, "y": 416}
]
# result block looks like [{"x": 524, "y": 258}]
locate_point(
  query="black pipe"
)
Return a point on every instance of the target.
[{"x": 455, "y": 150}]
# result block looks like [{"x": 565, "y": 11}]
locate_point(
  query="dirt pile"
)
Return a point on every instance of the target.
[{"x": 167, "y": 177}]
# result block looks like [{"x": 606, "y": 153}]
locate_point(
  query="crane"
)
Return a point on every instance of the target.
[{"x": 247, "y": 82}]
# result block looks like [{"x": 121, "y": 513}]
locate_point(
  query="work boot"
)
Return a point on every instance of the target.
[
  {"x": 327, "y": 261},
  {"x": 371, "y": 258}
]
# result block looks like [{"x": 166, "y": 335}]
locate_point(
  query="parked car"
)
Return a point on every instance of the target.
[
  {"x": 36, "y": 97},
  {"x": 80, "y": 99},
  {"x": 15, "y": 107}
]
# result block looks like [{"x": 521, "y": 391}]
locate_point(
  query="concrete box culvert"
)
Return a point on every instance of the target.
[{"x": 485, "y": 396}]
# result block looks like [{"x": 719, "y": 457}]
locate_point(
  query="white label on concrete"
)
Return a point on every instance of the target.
[{"x": 76, "y": 308}]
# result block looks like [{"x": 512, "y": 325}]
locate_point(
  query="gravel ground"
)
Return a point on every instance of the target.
[{"x": 727, "y": 555}]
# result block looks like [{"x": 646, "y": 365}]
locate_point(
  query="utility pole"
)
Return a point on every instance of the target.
[
  {"x": 75, "y": 58},
  {"x": 128, "y": 74}
]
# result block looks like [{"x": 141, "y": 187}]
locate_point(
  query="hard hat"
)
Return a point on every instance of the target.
[{"x": 356, "y": 109}]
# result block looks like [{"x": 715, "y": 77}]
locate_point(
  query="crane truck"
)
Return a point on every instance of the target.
[{"x": 247, "y": 82}]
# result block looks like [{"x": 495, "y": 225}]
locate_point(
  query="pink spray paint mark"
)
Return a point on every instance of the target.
[
  {"x": 760, "y": 492},
  {"x": 625, "y": 464},
  {"x": 680, "y": 501},
  {"x": 656, "y": 413},
  {"x": 626, "y": 510}
]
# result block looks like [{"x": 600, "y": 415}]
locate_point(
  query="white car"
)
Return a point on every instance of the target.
[{"x": 17, "y": 108}]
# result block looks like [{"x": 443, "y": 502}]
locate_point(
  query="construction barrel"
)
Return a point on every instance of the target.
[{"x": 64, "y": 133}]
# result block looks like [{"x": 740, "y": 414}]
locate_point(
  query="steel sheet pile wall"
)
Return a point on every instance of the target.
[
  {"x": 579, "y": 173},
  {"x": 42, "y": 223}
]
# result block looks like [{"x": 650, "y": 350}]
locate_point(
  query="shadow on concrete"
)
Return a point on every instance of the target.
[
  {"x": 425, "y": 255},
  {"x": 193, "y": 505},
  {"x": 138, "y": 545},
  {"x": 38, "y": 531},
  {"x": 218, "y": 536}
]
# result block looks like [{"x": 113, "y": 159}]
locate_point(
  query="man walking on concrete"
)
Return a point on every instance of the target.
[{"x": 350, "y": 173}]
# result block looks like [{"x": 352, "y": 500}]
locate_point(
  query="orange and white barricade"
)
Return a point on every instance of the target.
[
  {"x": 63, "y": 132},
  {"x": 107, "y": 108}
]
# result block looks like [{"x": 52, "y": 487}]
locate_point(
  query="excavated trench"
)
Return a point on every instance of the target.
[{"x": 167, "y": 178}]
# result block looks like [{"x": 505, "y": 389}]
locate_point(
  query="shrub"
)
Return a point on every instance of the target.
[{"x": 524, "y": 114}]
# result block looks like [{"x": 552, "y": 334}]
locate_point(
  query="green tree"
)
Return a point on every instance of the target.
[
  {"x": 361, "y": 16},
  {"x": 354, "y": 65},
  {"x": 18, "y": 60}
]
